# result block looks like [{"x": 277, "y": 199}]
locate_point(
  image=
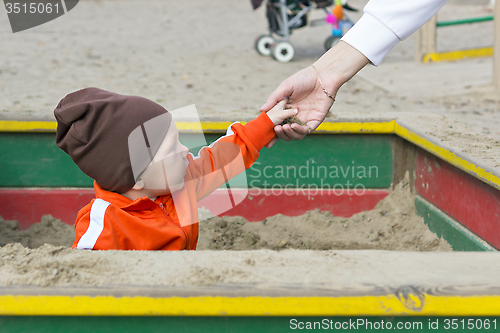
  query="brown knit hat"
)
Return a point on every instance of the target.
[{"x": 94, "y": 127}]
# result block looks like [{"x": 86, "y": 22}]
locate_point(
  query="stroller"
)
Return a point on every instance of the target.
[{"x": 285, "y": 15}]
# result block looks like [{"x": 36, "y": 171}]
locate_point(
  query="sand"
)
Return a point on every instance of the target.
[
  {"x": 202, "y": 53},
  {"x": 291, "y": 254},
  {"x": 288, "y": 271},
  {"x": 49, "y": 230},
  {"x": 392, "y": 225}
]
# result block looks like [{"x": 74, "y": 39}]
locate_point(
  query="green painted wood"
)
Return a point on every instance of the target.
[
  {"x": 322, "y": 161},
  {"x": 17, "y": 324},
  {"x": 460, "y": 238},
  {"x": 326, "y": 161},
  {"x": 465, "y": 21},
  {"x": 33, "y": 159}
]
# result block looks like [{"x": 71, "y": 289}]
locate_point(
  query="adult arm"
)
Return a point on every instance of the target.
[
  {"x": 383, "y": 24},
  {"x": 386, "y": 22}
]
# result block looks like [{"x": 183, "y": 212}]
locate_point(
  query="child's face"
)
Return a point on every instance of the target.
[{"x": 166, "y": 172}]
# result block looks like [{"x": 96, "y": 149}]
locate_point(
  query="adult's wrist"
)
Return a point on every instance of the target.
[
  {"x": 339, "y": 64},
  {"x": 372, "y": 38}
]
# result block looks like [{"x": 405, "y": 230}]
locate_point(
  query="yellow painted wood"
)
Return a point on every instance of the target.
[
  {"x": 461, "y": 305},
  {"x": 384, "y": 127},
  {"x": 458, "y": 55},
  {"x": 51, "y": 126},
  {"x": 373, "y": 127},
  {"x": 206, "y": 126},
  {"x": 425, "y": 39},
  {"x": 496, "y": 46},
  {"x": 27, "y": 126},
  {"x": 448, "y": 156},
  {"x": 246, "y": 306}
]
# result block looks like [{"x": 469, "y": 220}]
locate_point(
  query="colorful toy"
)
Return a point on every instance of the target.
[{"x": 339, "y": 21}]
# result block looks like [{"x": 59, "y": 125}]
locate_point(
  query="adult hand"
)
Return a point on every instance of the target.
[{"x": 306, "y": 93}]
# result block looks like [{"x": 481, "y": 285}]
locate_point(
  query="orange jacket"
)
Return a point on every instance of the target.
[{"x": 112, "y": 221}]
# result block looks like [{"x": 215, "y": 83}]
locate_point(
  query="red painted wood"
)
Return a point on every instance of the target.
[
  {"x": 468, "y": 200},
  {"x": 27, "y": 206},
  {"x": 260, "y": 204}
]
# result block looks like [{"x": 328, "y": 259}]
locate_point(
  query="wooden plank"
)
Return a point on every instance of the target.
[
  {"x": 404, "y": 161},
  {"x": 325, "y": 283},
  {"x": 265, "y": 324},
  {"x": 466, "y": 199},
  {"x": 421, "y": 304},
  {"x": 459, "y": 237},
  {"x": 27, "y": 126},
  {"x": 62, "y": 204},
  {"x": 496, "y": 46},
  {"x": 465, "y": 21},
  {"x": 448, "y": 154},
  {"x": 34, "y": 160},
  {"x": 367, "y": 127},
  {"x": 258, "y": 205},
  {"x": 457, "y": 55},
  {"x": 216, "y": 126},
  {"x": 261, "y": 204},
  {"x": 219, "y": 126},
  {"x": 325, "y": 161},
  {"x": 425, "y": 39}
]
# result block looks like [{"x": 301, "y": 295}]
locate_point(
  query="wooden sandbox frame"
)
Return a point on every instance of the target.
[{"x": 458, "y": 197}]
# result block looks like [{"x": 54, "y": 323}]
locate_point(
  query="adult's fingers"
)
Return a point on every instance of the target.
[
  {"x": 284, "y": 89},
  {"x": 313, "y": 124},
  {"x": 296, "y": 132},
  {"x": 278, "y": 130},
  {"x": 271, "y": 143}
]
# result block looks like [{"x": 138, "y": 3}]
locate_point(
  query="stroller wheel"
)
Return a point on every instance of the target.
[
  {"x": 331, "y": 41},
  {"x": 263, "y": 44},
  {"x": 283, "y": 51}
]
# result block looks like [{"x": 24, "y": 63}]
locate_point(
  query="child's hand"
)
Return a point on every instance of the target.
[{"x": 278, "y": 113}]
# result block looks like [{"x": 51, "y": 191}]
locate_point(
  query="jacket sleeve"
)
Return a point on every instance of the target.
[
  {"x": 387, "y": 22},
  {"x": 229, "y": 155}
]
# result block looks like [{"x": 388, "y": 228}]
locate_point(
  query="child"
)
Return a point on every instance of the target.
[{"x": 130, "y": 147}]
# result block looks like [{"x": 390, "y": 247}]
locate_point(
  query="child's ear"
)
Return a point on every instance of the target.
[{"x": 139, "y": 185}]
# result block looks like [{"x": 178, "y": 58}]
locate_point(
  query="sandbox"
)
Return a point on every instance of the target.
[
  {"x": 452, "y": 184},
  {"x": 392, "y": 225}
]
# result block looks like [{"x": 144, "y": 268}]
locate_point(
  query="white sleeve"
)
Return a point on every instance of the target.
[{"x": 386, "y": 22}]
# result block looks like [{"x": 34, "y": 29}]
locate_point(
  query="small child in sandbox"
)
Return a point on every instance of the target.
[{"x": 146, "y": 182}]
